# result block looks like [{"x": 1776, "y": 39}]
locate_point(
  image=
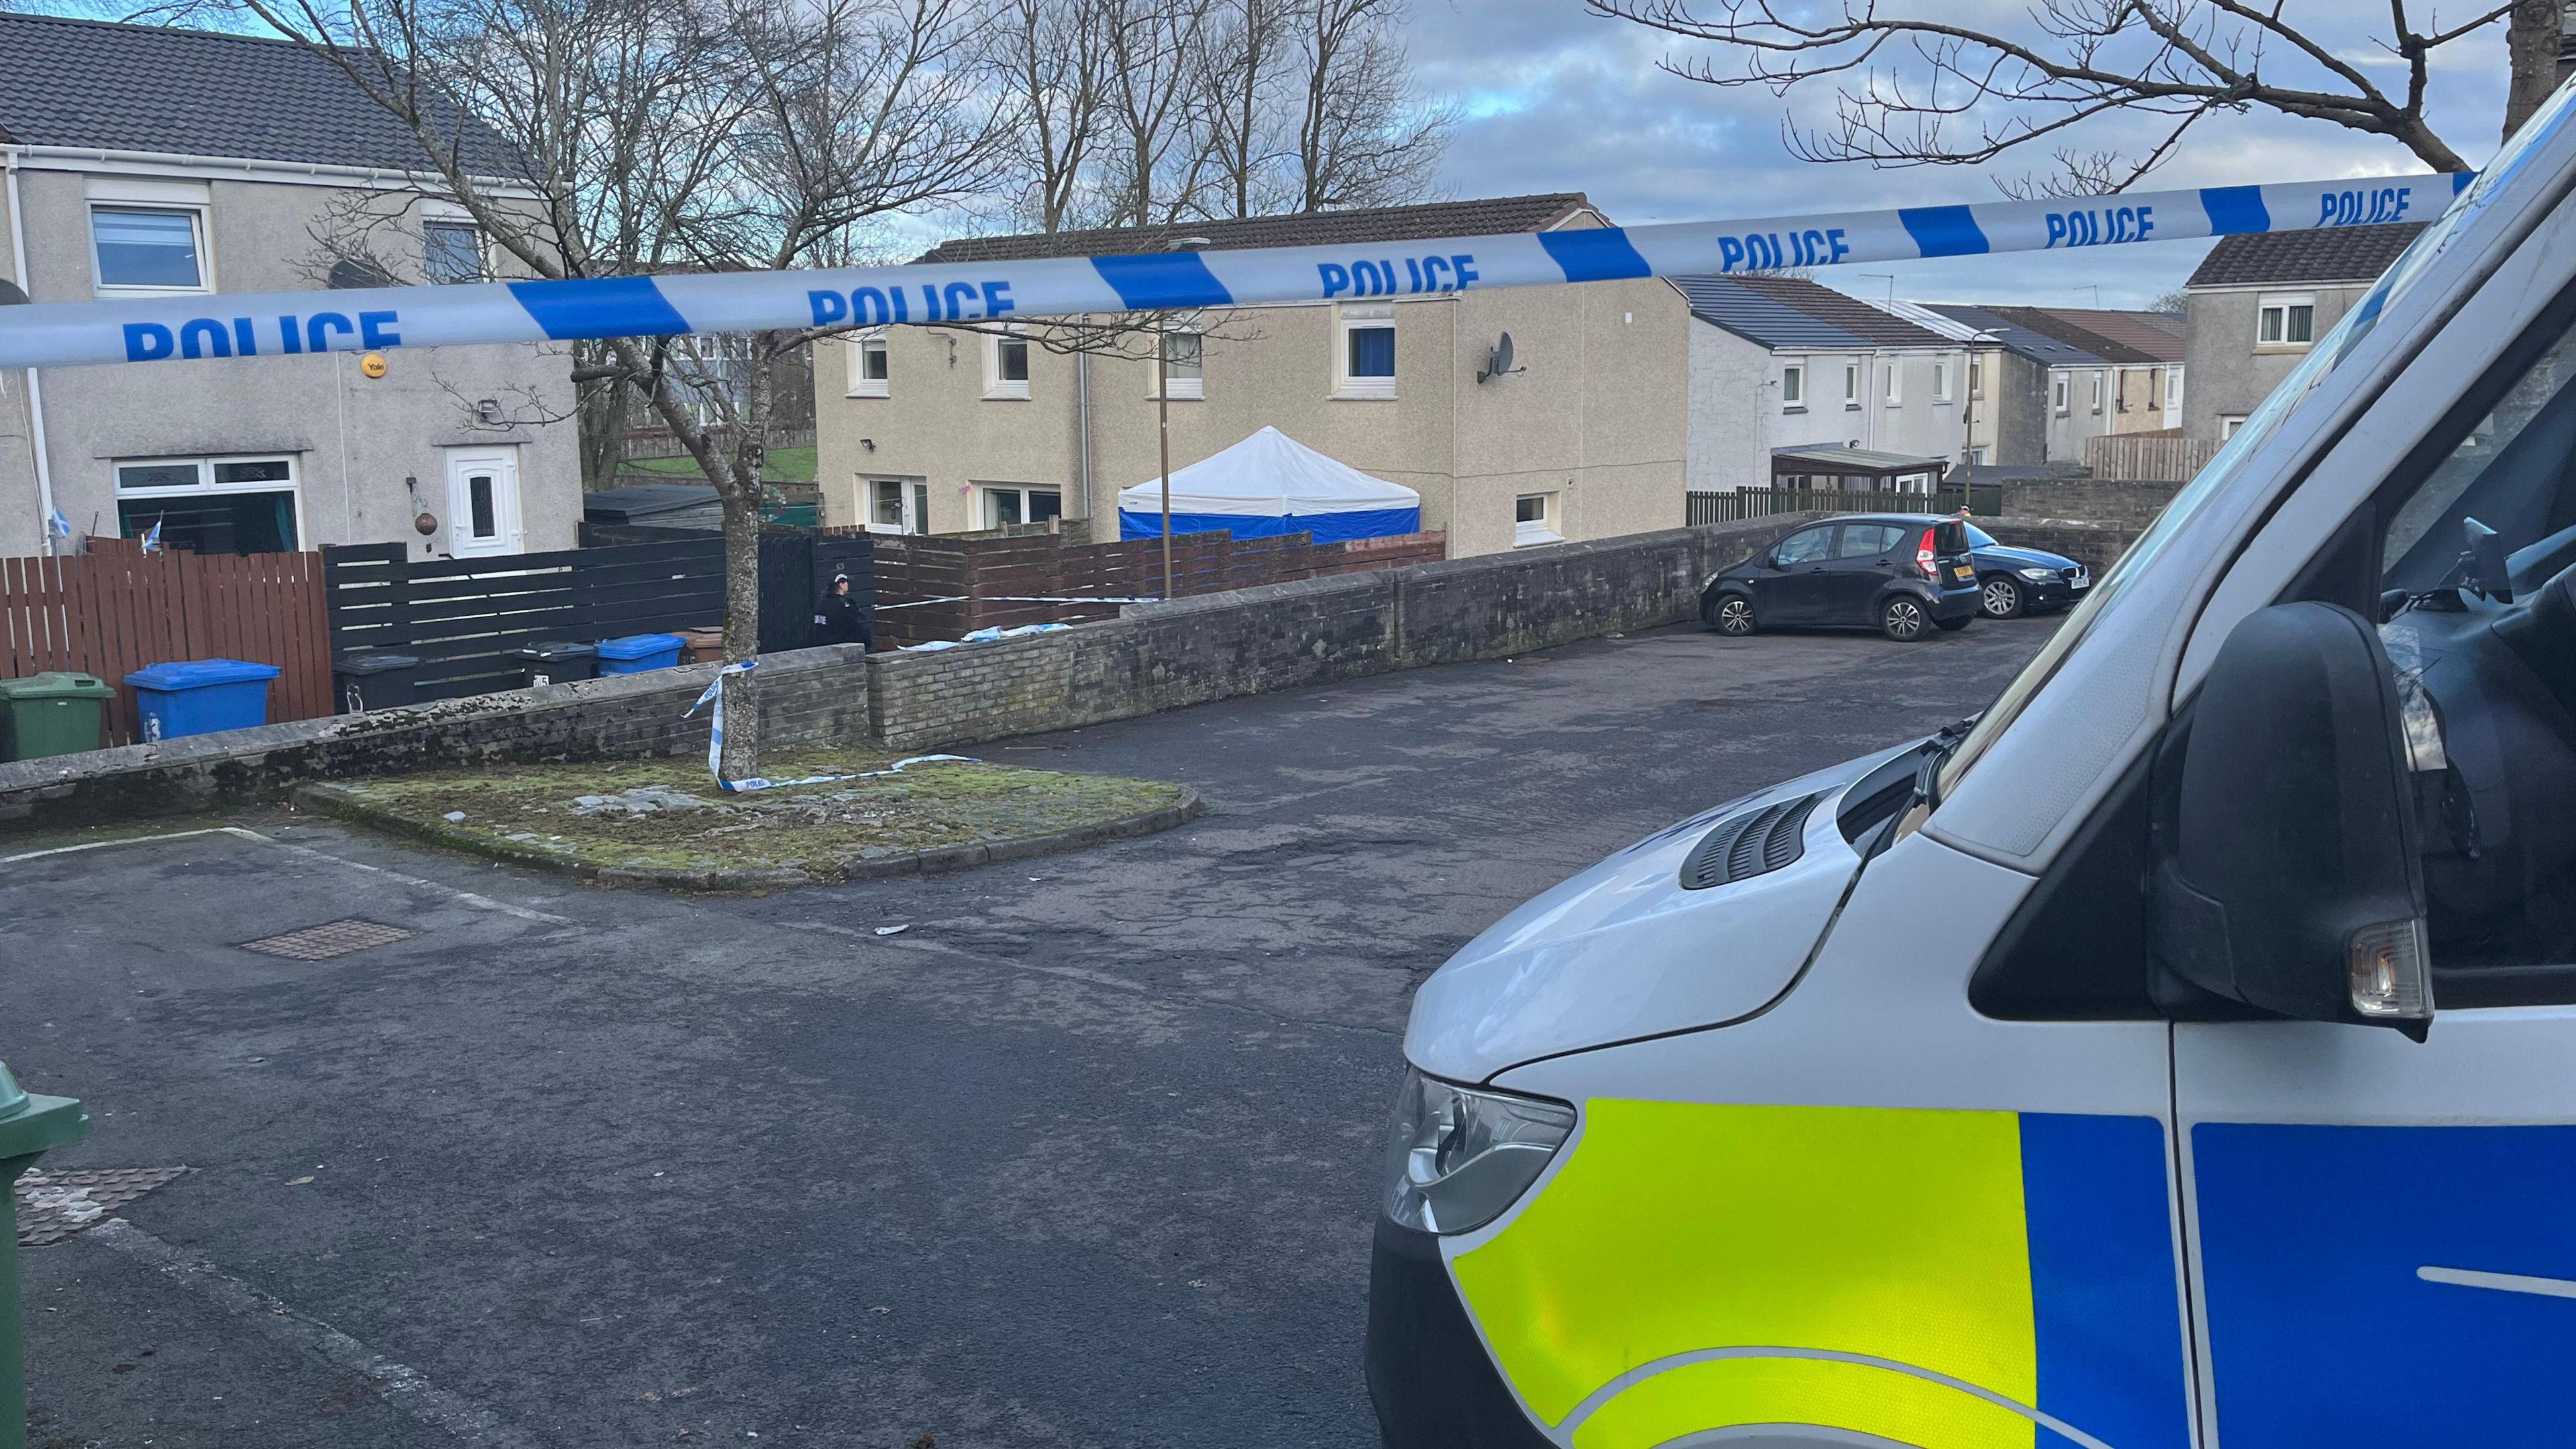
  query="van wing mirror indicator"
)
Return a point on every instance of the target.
[{"x": 2288, "y": 873}]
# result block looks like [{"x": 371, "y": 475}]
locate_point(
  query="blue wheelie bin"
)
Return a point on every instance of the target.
[{"x": 200, "y": 696}]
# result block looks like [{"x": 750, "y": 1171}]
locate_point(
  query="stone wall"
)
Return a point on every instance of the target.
[
  {"x": 2095, "y": 545},
  {"x": 2091, "y": 500},
  {"x": 1153, "y": 657}
]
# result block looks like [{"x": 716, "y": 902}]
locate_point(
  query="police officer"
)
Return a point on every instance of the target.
[{"x": 841, "y": 619}]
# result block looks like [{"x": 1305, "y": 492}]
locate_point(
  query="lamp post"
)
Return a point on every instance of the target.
[{"x": 1163, "y": 410}]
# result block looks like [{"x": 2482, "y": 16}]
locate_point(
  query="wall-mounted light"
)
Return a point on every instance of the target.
[
  {"x": 489, "y": 410},
  {"x": 868, "y": 443}
]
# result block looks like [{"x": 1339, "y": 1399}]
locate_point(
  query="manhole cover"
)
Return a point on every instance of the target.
[
  {"x": 54, "y": 1205},
  {"x": 332, "y": 938}
]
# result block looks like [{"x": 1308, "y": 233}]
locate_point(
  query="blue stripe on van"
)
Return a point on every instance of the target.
[{"x": 2105, "y": 1303}]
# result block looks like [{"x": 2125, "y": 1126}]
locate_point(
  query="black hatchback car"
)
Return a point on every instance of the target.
[
  {"x": 2014, "y": 581},
  {"x": 1904, "y": 573}
]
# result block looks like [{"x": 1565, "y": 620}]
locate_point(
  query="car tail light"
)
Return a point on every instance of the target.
[{"x": 1923, "y": 558}]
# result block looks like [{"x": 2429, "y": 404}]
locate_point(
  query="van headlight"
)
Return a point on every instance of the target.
[{"x": 1457, "y": 1157}]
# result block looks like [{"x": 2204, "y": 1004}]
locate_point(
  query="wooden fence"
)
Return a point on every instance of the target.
[
  {"x": 463, "y": 617},
  {"x": 1985, "y": 500},
  {"x": 115, "y": 609},
  {"x": 2147, "y": 457},
  {"x": 945, "y": 586}
]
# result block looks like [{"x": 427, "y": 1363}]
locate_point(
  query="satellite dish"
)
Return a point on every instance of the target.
[
  {"x": 11, "y": 294},
  {"x": 1498, "y": 361}
]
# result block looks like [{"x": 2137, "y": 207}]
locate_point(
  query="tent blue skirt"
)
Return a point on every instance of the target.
[{"x": 1326, "y": 527}]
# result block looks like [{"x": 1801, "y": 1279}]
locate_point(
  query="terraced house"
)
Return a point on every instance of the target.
[
  {"x": 928, "y": 429},
  {"x": 140, "y": 161}
]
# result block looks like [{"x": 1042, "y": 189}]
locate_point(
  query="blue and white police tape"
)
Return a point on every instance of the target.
[
  {"x": 715, "y": 745},
  {"x": 368, "y": 319}
]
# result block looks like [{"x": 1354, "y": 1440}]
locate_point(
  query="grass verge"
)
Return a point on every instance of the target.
[{"x": 664, "y": 823}]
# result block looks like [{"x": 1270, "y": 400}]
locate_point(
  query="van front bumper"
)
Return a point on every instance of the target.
[{"x": 1428, "y": 1373}]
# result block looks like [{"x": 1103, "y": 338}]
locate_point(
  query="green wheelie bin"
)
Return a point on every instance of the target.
[
  {"x": 29, "y": 1126},
  {"x": 54, "y": 713}
]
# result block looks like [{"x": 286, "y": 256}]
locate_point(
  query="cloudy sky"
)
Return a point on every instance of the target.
[{"x": 1553, "y": 98}]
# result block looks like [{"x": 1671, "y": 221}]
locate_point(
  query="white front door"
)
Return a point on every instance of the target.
[{"x": 483, "y": 502}]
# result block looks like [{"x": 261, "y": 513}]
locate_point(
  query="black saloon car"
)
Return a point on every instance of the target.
[
  {"x": 2013, "y": 581},
  {"x": 1903, "y": 573}
]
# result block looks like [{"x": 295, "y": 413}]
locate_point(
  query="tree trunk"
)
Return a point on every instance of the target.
[
  {"x": 2531, "y": 42},
  {"x": 741, "y": 757}
]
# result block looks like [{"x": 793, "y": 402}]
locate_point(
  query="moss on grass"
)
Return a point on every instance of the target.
[{"x": 667, "y": 816}]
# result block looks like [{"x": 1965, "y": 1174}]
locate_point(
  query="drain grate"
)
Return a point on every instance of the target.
[
  {"x": 331, "y": 938},
  {"x": 53, "y": 1205}
]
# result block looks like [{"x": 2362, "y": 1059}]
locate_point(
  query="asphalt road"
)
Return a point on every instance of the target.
[{"x": 1084, "y": 1156}]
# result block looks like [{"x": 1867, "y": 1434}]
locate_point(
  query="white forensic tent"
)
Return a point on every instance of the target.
[{"x": 1267, "y": 485}]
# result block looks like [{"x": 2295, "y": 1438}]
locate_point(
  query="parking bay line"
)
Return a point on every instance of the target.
[
  {"x": 479, "y": 902},
  {"x": 932, "y": 948},
  {"x": 402, "y": 1385}
]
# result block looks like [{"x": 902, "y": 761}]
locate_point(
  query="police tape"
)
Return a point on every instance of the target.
[
  {"x": 715, "y": 745},
  {"x": 276, "y": 324}
]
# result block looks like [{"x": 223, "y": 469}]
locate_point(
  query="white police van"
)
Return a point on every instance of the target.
[{"x": 2182, "y": 1053}]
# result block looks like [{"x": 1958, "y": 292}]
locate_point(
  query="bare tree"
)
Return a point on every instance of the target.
[
  {"x": 1915, "y": 87},
  {"x": 1046, "y": 59},
  {"x": 1244, "y": 69},
  {"x": 1155, "y": 157},
  {"x": 1364, "y": 138},
  {"x": 660, "y": 135}
]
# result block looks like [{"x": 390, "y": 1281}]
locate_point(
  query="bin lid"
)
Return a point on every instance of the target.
[
  {"x": 32, "y": 1123},
  {"x": 638, "y": 646},
  {"x": 552, "y": 649},
  {"x": 198, "y": 673},
  {"x": 373, "y": 663},
  {"x": 57, "y": 684}
]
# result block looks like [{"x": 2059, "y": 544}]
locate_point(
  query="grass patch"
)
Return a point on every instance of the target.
[
  {"x": 666, "y": 817},
  {"x": 783, "y": 465}
]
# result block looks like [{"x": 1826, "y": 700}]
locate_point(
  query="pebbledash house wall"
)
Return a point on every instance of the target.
[
  {"x": 1597, "y": 419},
  {"x": 354, "y": 440},
  {"x": 1153, "y": 657},
  {"x": 1737, "y": 416}
]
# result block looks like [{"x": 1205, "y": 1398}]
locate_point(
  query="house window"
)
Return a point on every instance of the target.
[
  {"x": 149, "y": 249},
  {"x": 1851, "y": 384},
  {"x": 2286, "y": 321},
  {"x": 2228, "y": 423},
  {"x": 452, "y": 252},
  {"x": 1940, "y": 382},
  {"x": 1006, "y": 504},
  {"x": 2097, "y": 392},
  {"x": 871, "y": 370},
  {"x": 1006, "y": 366},
  {"x": 1365, "y": 360},
  {"x": 210, "y": 505},
  {"x": 1793, "y": 387},
  {"x": 1184, "y": 357},
  {"x": 1976, "y": 378},
  {"x": 1534, "y": 520},
  {"x": 1894, "y": 394},
  {"x": 2057, "y": 393},
  {"x": 898, "y": 505},
  {"x": 2173, "y": 388}
]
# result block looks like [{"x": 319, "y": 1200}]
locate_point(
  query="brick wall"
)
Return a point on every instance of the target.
[{"x": 1154, "y": 657}]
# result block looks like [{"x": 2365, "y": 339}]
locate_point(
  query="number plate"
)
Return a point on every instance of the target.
[
  {"x": 2082, "y": 582},
  {"x": 1962, "y": 572}
]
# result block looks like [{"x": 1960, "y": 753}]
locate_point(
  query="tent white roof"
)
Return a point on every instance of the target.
[{"x": 1269, "y": 475}]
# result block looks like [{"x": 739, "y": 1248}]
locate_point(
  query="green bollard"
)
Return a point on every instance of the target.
[{"x": 29, "y": 1126}]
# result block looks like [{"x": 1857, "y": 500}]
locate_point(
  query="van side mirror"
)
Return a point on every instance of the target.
[{"x": 2289, "y": 876}]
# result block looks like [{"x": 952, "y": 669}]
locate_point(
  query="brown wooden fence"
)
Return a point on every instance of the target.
[
  {"x": 115, "y": 609},
  {"x": 2147, "y": 457},
  {"x": 946, "y": 586}
]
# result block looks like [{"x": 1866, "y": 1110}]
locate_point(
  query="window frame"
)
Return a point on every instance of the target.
[
  {"x": 2284, "y": 303},
  {"x": 2061, "y": 389},
  {"x": 200, "y": 232},
  {"x": 206, "y": 486},
  {"x": 2097, "y": 391},
  {"x": 2228, "y": 423},
  {"x": 1180, "y": 389},
  {"x": 1941, "y": 379},
  {"x": 860, "y": 384},
  {"x": 998, "y": 388},
  {"x": 1851, "y": 383},
  {"x": 1793, "y": 387},
  {"x": 1350, "y": 317},
  {"x": 1544, "y": 529},
  {"x": 436, "y": 221},
  {"x": 1893, "y": 395},
  {"x": 984, "y": 492}
]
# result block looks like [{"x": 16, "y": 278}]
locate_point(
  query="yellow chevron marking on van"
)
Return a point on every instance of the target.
[{"x": 1673, "y": 1227}]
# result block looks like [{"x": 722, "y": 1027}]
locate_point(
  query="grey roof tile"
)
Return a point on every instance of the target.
[
  {"x": 2337, "y": 254},
  {"x": 197, "y": 93},
  {"x": 2017, "y": 339},
  {"x": 1425, "y": 222},
  {"x": 1791, "y": 312}
]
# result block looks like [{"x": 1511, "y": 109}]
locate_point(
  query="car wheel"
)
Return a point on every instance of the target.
[
  {"x": 2000, "y": 598},
  {"x": 1733, "y": 616},
  {"x": 1904, "y": 618},
  {"x": 1953, "y": 626}
]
